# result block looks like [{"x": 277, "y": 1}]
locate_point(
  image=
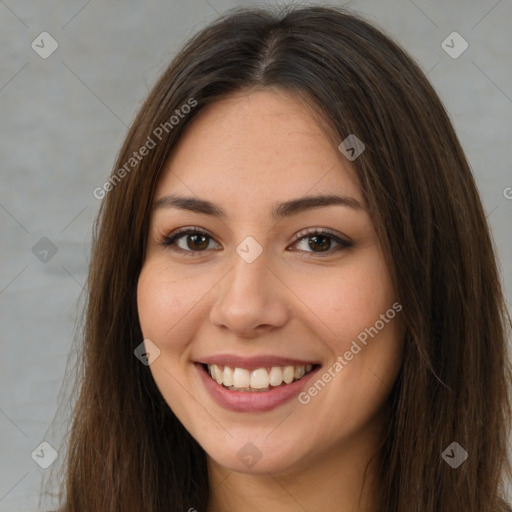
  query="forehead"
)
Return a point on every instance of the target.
[{"x": 264, "y": 144}]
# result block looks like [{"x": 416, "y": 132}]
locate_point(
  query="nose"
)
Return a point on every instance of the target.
[{"x": 251, "y": 299}]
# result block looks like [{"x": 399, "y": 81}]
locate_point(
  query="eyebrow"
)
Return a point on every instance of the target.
[{"x": 281, "y": 210}]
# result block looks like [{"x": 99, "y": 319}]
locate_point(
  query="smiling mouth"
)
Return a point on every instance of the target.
[{"x": 258, "y": 380}]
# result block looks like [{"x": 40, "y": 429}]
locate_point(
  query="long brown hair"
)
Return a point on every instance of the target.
[{"x": 128, "y": 452}]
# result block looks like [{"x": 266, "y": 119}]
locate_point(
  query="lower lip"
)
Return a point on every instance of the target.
[{"x": 257, "y": 401}]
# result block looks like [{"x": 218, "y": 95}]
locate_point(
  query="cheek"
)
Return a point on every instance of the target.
[
  {"x": 172, "y": 308},
  {"x": 163, "y": 304},
  {"x": 162, "y": 300},
  {"x": 348, "y": 299}
]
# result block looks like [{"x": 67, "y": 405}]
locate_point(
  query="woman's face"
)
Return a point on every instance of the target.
[{"x": 258, "y": 299}]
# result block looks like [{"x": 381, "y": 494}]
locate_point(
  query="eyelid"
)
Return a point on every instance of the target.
[
  {"x": 323, "y": 231},
  {"x": 187, "y": 229}
]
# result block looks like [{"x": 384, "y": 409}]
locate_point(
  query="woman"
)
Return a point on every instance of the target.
[{"x": 293, "y": 297}]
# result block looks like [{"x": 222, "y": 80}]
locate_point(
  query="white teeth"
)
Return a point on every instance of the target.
[
  {"x": 228, "y": 376},
  {"x": 241, "y": 378},
  {"x": 216, "y": 373},
  {"x": 299, "y": 372},
  {"x": 288, "y": 374},
  {"x": 276, "y": 376},
  {"x": 260, "y": 379}
]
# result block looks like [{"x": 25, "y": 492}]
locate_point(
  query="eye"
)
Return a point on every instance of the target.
[
  {"x": 195, "y": 240},
  {"x": 320, "y": 241},
  {"x": 188, "y": 240}
]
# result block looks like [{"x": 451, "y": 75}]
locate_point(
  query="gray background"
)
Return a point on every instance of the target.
[{"x": 62, "y": 120}]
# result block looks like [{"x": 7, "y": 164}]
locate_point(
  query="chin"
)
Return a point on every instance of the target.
[{"x": 255, "y": 458}]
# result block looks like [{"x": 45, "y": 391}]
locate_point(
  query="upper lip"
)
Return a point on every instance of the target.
[{"x": 253, "y": 362}]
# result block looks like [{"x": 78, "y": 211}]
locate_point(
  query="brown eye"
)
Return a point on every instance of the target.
[
  {"x": 188, "y": 240},
  {"x": 322, "y": 242},
  {"x": 197, "y": 242},
  {"x": 318, "y": 241}
]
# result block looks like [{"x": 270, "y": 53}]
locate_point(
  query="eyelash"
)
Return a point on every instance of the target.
[{"x": 169, "y": 240}]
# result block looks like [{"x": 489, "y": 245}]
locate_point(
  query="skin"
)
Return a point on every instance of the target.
[{"x": 247, "y": 153}]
